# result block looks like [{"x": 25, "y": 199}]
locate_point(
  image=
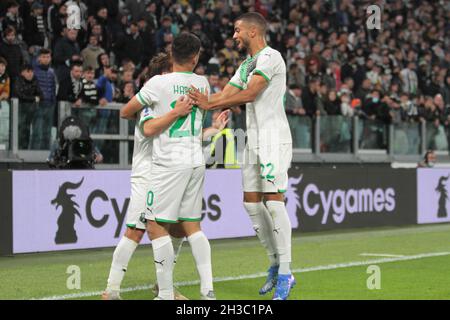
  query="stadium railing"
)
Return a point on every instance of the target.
[{"x": 324, "y": 139}]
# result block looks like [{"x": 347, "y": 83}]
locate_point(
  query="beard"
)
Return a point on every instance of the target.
[{"x": 244, "y": 47}]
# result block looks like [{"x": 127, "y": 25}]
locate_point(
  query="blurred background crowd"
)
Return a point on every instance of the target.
[{"x": 337, "y": 67}]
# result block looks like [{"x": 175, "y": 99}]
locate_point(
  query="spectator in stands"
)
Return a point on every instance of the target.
[
  {"x": 65, "y": 49},
  {"x": 149, "y": 14},
  {"x": 332, "y": 104},
  {"x": 89, "y": 99},
  {"x": 164, "y": 35},
  {"x": 53, "y": 20},
  {"x": 295, "y": 113},
  {"x": 106, "y": 89},
  {"x": 13, "y": 19},
  {"x": 127, "y": 93},
  {"x": 130, "y": 46},
  {"x": 12, "y": 53},
  {"x": 309, "y": 97},
  {"x": 429, "y": 160},
  {"x": 46, "y": 114},
  {"x": 409, "y": 78},
  {"x": 91, "y": 52},
  {"x": 230, "y": 54},
  {"x": 148, "y": 41},
  {"x": 36, "y": 27},
  {"x": 103, "y": 62},
  {"x": 135, "y": 8},
  {"x": 103, "y": 40},
  {"x": 70, "y": 87},
  {"x": 30, "y": 94},
  {"x": 5, "y": 88},
  {"x": 89, "y": 92}
]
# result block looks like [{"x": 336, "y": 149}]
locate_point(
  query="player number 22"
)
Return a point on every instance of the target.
[{"x": 266, "y": 167}]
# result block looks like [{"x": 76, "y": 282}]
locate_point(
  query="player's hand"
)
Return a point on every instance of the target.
[
  {"x": 200, "y": 99},
  {"x": 183, "y": 106},
  {"x": 221, "y": 121}
]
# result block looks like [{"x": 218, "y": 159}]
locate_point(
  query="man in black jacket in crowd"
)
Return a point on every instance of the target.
[
  {"x": 70, "y": 87},
  {"x": 29, "y": 94},
  {"x": 65, "y": 49}
]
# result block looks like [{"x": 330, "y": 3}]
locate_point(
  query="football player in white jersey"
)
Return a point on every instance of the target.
[
  {"x": 260, "y": 83},
  {"x": 178, "y": 166},
  {"x": 140, "y": 176}
]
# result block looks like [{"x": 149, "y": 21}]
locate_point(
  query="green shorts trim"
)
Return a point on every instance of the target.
[
  {"x": 281, "y": 190},
  {"x": 190, "y": 219},
  {"x": 165, "y": 221},
  {"x": 134, "y": 226}
]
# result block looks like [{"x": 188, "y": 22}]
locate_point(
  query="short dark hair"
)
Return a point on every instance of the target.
[
  {"x": 3, "y": 61},
  {"x": 26, "y": 66},
  {"x": 8, "y": 30},
  {"x": 45, "y": 51},
  {"x": 254, "y": 18},
  {"x": 12, "y": 4},
  {"x": 88, "y": 68},
  {"x": 74, "y": 64},
  {"x": 184, "y": 47}
]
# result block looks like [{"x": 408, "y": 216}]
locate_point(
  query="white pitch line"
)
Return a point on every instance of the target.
[
  {"x": 259, "y": 275},
  {"x": 381, "y": 255}
]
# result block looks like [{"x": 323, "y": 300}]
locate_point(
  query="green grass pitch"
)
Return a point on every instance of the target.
[{"x": 414, "y": 263}]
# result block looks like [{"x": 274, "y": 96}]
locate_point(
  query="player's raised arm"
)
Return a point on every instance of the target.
[
  {"x": 152, "y": 126},
  {"x": 202, "y": 99},
  {"x": 257, "y": 84}
]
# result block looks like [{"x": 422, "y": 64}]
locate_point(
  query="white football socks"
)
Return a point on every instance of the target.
[
  {"x": 122, "y": 255},
  {"x": 263, "y": 226},
  {"x": 201, "y": 251},
  {"x": 163, "y": 256},
  {"x": 177, "y": 245},
  {"x": 282, "y": 232}
]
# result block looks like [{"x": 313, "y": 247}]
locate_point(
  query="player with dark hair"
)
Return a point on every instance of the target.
[
  {"x": 140, "y": 179},
  {"x": 260, "y": 82},
  {"x": 177, "y": 173}
]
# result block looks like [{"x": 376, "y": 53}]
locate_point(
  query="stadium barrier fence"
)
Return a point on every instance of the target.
[{"x": 325, "y": 139}]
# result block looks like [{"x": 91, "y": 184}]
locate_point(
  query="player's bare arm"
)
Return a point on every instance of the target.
[
  {"x": 255, "y": 87},
  {"x": 157, "y": 125},
  {"x": 203, "y": 101},
  {"x": 130, "y": 110},
  {"x": 218, "y": 125}
]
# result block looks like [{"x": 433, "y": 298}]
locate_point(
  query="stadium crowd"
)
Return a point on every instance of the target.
[{"x": 336, "y": 65}]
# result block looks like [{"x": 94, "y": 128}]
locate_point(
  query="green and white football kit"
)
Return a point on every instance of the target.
[
  {"x": 140, "y": 172},
  {"x": 177, "y": 172},
  {"x": 268, "y": 153}
]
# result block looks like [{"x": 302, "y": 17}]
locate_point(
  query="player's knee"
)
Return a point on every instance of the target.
[
  {"x": 177, "y": 231},
  {"x": 274, "y": 197},
  {"x": 134, "y": 234},
  {"x": 252, "y": 197},
  {"x": 190, "y": 227},
  {"x": 157, "y": 230}
]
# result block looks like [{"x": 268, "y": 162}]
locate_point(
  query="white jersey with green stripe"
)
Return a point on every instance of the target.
[
  {"x": 180, "y": 145},
  {"x": 267, "y": 123},
  {"x": 142, "y": 151}
]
